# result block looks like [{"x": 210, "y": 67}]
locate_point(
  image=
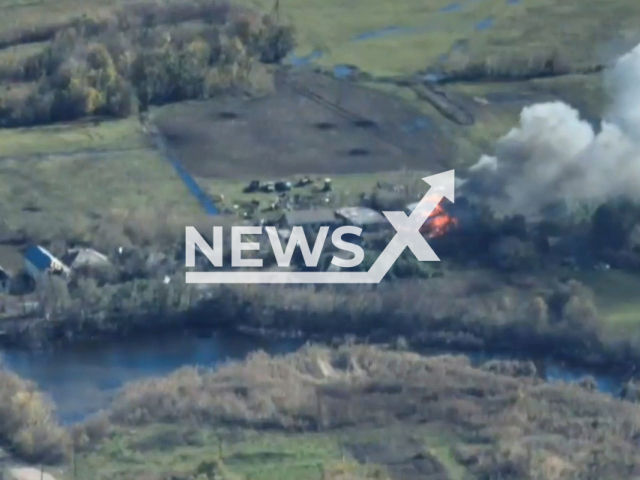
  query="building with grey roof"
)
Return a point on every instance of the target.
[
  {"x": 311, "y": 219},
  {"x": 85, "y": 258},
  {"x": 363, "y": 217}
]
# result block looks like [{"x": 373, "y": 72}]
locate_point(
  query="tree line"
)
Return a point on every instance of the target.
[{"x": 142, "y": 55}]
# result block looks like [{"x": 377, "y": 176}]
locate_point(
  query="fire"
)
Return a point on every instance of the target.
[{"x": 439, "y": 222}]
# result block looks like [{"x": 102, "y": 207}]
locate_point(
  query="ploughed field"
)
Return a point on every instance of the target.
[{"x": 311, "y": 124}]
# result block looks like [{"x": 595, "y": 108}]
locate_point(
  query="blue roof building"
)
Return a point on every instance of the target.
[{"x": 38, "y": 261}]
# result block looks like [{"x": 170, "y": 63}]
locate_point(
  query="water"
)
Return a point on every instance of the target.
[
  {"x": 417, "y": 125},
  {"x": 433, "y": 77},
  {"x": 381, "y": 33},
  {"x": 511, "y": 97},
  {"x": 452, "y": 8},
  {"x": 343, "y": 71},
  {"x": 485, "y": 24},
  {"x": 552, "y": 371},
  {"x": 207, "y": 204},
  {"x": 81, "y": 379},
  {"x": 395, "y": 30},
  {"x": 305, "y": 60}
]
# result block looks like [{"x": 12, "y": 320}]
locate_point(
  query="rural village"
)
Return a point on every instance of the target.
[{"x": 513, "y": 357}]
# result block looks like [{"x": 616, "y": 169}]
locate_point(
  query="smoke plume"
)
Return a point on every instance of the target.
[{"x": 554, "y": 155}]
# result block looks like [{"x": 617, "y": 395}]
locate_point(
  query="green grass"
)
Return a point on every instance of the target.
[
  {"x": 264, "y": 456},
  {"x": 74, "y": 189},
  {"x": 72, "y": 137},
  {"x": 617, "y": 296},
  {"x": 346, "y": 189},
  {"x": 251, "y": 454},
  {"x": 576, "y": 29}
]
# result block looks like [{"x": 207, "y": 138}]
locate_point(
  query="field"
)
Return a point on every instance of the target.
[
  {"x": 389, "y": 38},
  {"x": 356, "y": 413},
  {"x": 88, "y": 136},
  {"x": 60, "y": 182},
  {"x": 616, "y": 298},
  {"x": 272, "y": 456},
  {"x": 291, "y": 134}
]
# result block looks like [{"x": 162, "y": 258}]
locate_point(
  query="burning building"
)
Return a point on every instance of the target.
[
  {"x": 447, "y": 216},
  {"x": 436, "y": 224}
]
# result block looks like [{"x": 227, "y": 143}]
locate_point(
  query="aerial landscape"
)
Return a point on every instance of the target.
[{"x": 512, "y": 358}]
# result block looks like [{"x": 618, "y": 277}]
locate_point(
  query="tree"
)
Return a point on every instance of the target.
[{"x": 612, "y": 224}]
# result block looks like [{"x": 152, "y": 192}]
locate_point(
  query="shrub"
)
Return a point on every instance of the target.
[
  {"x": 27, "y": 425},
  {"x": 612, "y": 223}
]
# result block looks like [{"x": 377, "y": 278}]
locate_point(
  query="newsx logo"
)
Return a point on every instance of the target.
[{"x": 407, "y": 235}]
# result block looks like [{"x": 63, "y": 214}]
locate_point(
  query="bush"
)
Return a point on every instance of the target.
[
  {"x": 512, "y": 254},
  {"x": 612, "y": 223},
  {"x": 27, "y": 425}
]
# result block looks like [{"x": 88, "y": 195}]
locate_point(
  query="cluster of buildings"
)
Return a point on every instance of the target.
[
  {"x": 40, "y": 263},
  {"x": 368, "y": 219}
]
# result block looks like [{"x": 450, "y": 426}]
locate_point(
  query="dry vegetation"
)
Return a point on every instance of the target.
[
  {"x": 27, "y": 422},
  {"x": 504, "y": 427}
]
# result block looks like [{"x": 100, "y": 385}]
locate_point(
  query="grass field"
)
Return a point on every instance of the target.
[
  {"x": 425, "y": 31},
  {"x": 258, "y": 455},
  {"x": 616, "y": 297},
  {"x": 385, "y": 38},
  {"x": 74, "y": 137},
  {"x": 75, "y": 190},
  {"x": 347, "y": 190}
]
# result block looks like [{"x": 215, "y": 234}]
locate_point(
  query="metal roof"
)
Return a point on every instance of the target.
[
  {"x": 361, "y": 215},
  {"x": 310, "y": 217},
  {"x": 39, "y": 257},
  {"x": 84, "y": 257}
]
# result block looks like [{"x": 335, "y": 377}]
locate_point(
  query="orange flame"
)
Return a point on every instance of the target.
[{"x": 439, "y": 222}]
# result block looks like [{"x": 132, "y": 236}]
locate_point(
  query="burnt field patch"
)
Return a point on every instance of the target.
[{"x": 312, "y": 124}]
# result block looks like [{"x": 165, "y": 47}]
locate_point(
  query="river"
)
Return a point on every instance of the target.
[{"x": 82, "y": 378}]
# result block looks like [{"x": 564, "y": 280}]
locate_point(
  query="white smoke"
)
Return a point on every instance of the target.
[{"x": 554, "y": 155}]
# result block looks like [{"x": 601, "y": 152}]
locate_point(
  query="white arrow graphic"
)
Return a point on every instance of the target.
[{"x": 407, "y": 235}]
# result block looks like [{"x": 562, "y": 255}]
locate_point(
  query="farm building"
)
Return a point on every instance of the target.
[
  {"x": 38, "y": 261},
  {"x": 367, "y": 219},
  {"x": 310, "y": 220},
  {"x": 85, "y": 258}
]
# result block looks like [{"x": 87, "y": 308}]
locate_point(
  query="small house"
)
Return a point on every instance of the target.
[
  {"x": 367, "y": 219},
  {"x": 38, "y": 261},
  {"x": 85, "y": 258}
]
